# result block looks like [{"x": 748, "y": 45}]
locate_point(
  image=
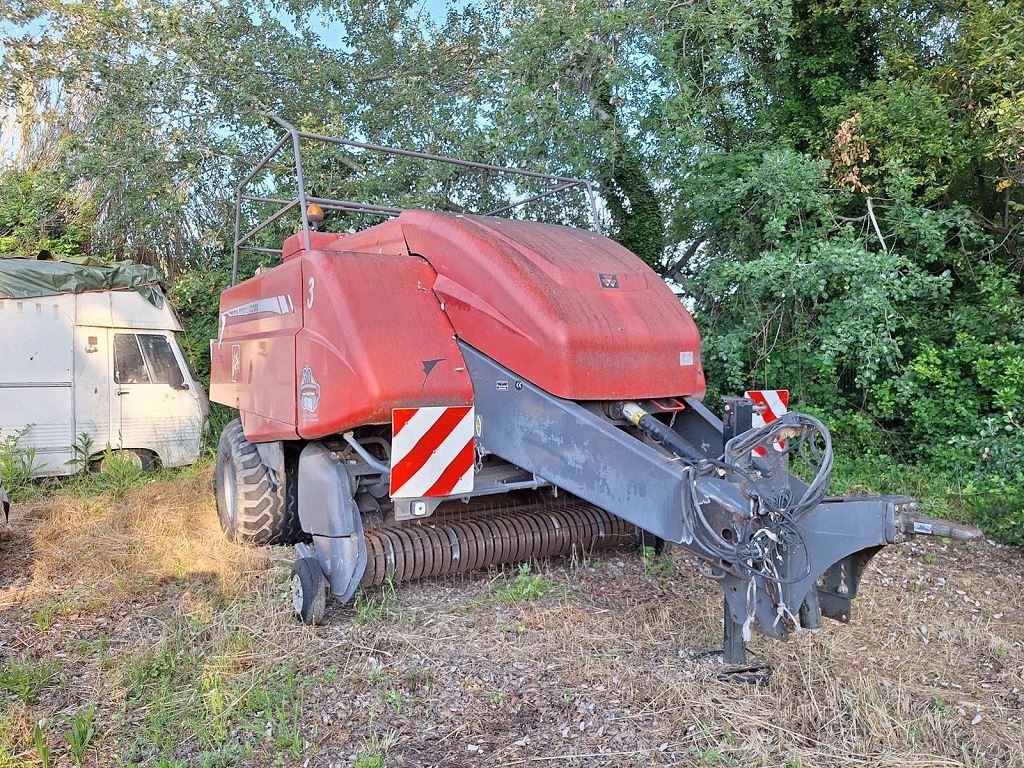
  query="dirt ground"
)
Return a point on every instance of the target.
[{"x": 132, "y": 633}]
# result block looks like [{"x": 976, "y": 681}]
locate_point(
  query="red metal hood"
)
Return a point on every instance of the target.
[{"x": 567, "y": 309}]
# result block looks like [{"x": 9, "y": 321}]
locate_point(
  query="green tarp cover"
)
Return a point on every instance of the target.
[{"x": 26, "y": 278}]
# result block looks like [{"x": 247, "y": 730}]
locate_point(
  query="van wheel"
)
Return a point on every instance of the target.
[
  {"x": 142, "y": 460},
  {"x": 251, "y": 509}
]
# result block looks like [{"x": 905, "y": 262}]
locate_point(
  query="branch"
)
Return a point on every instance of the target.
[
  {"x": 676, "y": 269},
  {"x": 874, "y": 223}
]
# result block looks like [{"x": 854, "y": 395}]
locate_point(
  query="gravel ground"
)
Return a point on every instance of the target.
[{"x": 133, "y": 608}]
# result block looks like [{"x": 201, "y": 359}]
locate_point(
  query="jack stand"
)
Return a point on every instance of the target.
[
  {"x": 737, "y": 418},
  {"x": 736, "y": 668}
]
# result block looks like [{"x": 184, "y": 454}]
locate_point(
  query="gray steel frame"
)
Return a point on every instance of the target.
[
  {"x": 294, "y": 138},
  {"x": 583, "y": 452}
]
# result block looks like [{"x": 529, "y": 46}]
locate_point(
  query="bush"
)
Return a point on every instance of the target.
[{"x": 17, "y": 465}]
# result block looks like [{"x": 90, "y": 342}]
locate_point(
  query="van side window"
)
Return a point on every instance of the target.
[
  {"x": 129, "y": 367},
  {"x": 163, "y": 366}
]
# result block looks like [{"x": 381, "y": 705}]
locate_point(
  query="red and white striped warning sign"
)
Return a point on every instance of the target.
[
  {"x": 431, "y": 451},
  {"x": 775, "y": 402}
]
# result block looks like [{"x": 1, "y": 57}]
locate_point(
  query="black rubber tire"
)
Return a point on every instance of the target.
[
  {"x": 251, "y": 509},
  {"x": 309, "y": 590}
]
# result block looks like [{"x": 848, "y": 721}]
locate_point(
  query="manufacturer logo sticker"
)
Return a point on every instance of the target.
[
  {"x": 309, "y": 391},
  {"x": 501, "y": 386},
  {"x": 608, "y": 280}
]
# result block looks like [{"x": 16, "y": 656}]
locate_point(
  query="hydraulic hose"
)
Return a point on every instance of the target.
[{"x": 658, "y": 432}]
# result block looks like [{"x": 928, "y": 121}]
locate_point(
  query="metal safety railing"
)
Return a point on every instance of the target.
[{"x": 302, "y": 201}]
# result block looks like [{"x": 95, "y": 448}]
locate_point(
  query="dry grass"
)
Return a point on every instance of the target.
[{"x": 184, "y": 643}]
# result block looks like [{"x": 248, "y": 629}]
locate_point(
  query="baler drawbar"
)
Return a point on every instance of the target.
[{"x": 444, "y": 392}]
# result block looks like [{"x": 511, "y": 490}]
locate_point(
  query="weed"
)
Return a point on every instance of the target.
[
  {"x": 82, "y": 451},
  {"x": 394, "y": 699},
  {"x": 930, "y": 558},
  {"x": 711, "y": 757},
  {"x": 380, "y": 610},
  {"x": 81, "y": 734},
  {"x": 416, "y": 677},
  {"x": 655, "y": 564},
  {"x": 939, "y": 705},
  {"x": 17, "y": 465},
  {"x": 26, "y": 679},
  {"x": 379, "y": 676},
  {"x": 497, "y": 700},
  {"x": 118, "y": 474},
  {"x": 42, "y": 751},
  {"x": 524, "y": 586},
  {"x": 367, "y": 760},
  {"x": 330, "y": 674},
  {"x": 43, "y": 617}
]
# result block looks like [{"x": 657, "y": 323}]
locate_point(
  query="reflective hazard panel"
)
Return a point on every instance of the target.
[
  {"x": 432, "y": 451},
  {"x": 775, "y": 403}
]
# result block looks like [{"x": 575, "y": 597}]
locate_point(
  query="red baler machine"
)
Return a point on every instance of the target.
[{"x": 443, "y": 392}]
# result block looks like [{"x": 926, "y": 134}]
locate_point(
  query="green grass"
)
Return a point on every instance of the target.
[
  {"x": 192, "y": 685},
  {"x": 27, "y": 678},
  {"x": 523, "y": 586},
  {"x": 656, "y": 565},
  {"x": 82, "y": 733},
  {"x": 382, "y": 609},
  {"x": 367, "y": 760}
]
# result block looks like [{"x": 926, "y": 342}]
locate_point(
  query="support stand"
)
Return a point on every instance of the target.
[{"x": 737, "y": 418}]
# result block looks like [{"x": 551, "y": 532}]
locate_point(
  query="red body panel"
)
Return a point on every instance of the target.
[
  {"x": 338, "y": 336},
  {"x": 375, "y": 339},
  {"x": 253, "y": 359},
  {"x": 531, "y": 296}
]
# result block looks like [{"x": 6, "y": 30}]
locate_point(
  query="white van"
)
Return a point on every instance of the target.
[{"x": 99, "y": 358}]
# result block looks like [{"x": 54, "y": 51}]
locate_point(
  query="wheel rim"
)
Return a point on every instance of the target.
[
  {"x": 297, "y": 594},
  {"x": 227, "y": 484}
]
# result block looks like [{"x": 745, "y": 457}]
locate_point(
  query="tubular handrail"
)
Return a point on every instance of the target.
[{"x": 295, "y": 137}]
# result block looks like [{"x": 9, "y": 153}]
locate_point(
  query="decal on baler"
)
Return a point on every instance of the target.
[
  {"x": 272, "y": 305},
  {"x": 432, "y": 451},
  {"x": 309, "y": 391},
  {"x": 608, "y": 280}
]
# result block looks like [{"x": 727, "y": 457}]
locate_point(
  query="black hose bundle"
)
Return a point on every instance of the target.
[{"x": 801, "y": 433}]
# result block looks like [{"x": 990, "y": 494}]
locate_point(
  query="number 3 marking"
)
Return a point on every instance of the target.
[{"x": 309, "y": 299}]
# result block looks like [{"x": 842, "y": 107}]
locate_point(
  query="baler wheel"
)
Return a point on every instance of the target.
[
  {"x": 309, "y": 590},
  {"x": 251, "y": 509}
]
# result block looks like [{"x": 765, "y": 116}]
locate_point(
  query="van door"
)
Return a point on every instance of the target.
[
  {"x": 93, "y": 358},
  {"x": 153, "y": 403}
]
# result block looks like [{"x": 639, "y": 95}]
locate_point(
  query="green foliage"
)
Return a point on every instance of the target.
[
  {"x": 17, "y": 465},
  {"x": 26, "y": 678},
  {"x": 36, "y": 213},
  {"x": 82, "y": 733},
  {"x": 367, "y": 760},
  {"x": 656, "y": 565},
  {"x": 42, "y": 750},
  {"x": 82, "y": 452},
  {"x": 523, "y": 586},
  {"x": 119, "y": 472},
  {"x": 381, "y": 609}
]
